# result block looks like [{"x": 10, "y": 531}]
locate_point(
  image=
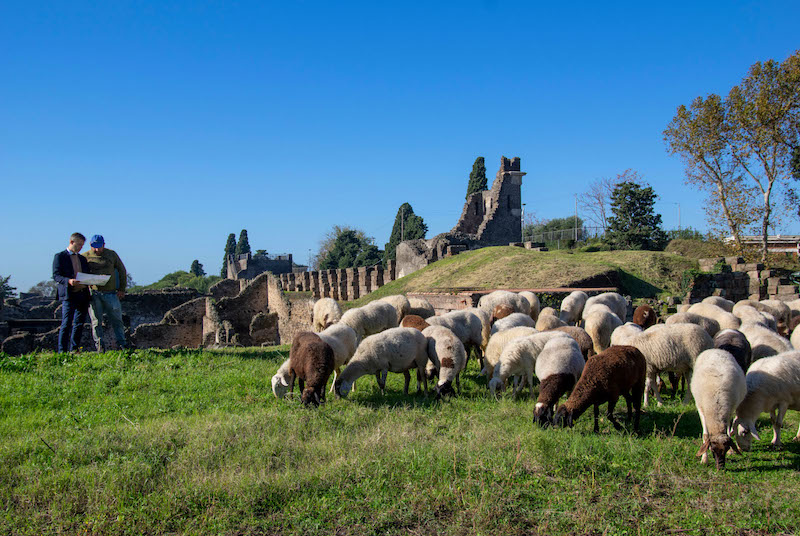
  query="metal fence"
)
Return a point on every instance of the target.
[{"x": 564, "y": 235}]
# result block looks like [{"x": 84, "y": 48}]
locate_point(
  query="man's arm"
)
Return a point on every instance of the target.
[
  {"x": 123, "y": 275},
  {"x": 58, "y": 275}
]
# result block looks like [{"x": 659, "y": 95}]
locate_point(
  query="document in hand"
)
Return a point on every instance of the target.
[{"x": 92, "y": 279}]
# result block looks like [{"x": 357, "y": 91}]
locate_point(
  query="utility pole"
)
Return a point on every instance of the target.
[
  {"x": 522, "y": 222},
  {"x": 576, "y": 217},
  {"x": 402, "y": 223}
]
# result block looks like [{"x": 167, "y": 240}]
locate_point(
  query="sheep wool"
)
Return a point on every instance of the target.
[
  {"x": 614, "y": 301},
  {"x": 326, "y": 312},
  {"x": 343, "y": 340},
  {"x": 517, "y": 302},
  {"x": 401, "y": 305},
  {"x": 393, "y": 350},
  {"x": 773, "y": 385},
  {"x": 448, "y": 355},
  {"x": 414, "y": 321},
  {"x": 709, "y": 324},
  {"x": 795, "y": 340},
  {"x": 533, "y": 301},
  {"x": 645, "y": 316},
  {"x": 280, "y": 381},
  {"x": 420, "y": 307},
  {"x": 572, "y": 307},
  {"x": 465, "y": 324},
  {"x": 725, "y": 319},
  {"x": 518, "y": 358},
  {"x": 486, "y": 324},
  {"x": 720, "y": 302},
  {"x": 735, "y": 343},
  {"x": 600, "y": 324},
  {"x": 581, "y": 337},
  {"x": 311, "y": 361},
  {"x": 558, "y": 366},
  {"x": 514, "y": 320},
  {"x": 750, "y": 315},
  {"x": 548, "y": 319},
  {"x": 718, "y": 387},
  {"x": 763, "y": 341},
  {"x": 498, "y": 342},
  {"x": 780, "y": 310},
  {"x": 625, "y": 333},
  {"x": 370, "y": 319},
  {"x": 501, "y": 311}
]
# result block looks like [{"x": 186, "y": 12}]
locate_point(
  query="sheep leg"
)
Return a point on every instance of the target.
[
  {"x": 596, "y": 418},
  {"x": 458, "y": 388},
  {"x": 704, "y": 457},
  {"x": 407, "y": 380},
  {"x": 530, "y": 383},
  {"x": 628, "y": 398},
  {"x": 637, "y": 390},
  {"x": 381, "y": 382},
  {"x": 649, "y": 385},
  {"x": 687, "y": 393},
  {"x": 291, "y": 383},
  {"x": 797, "y": 437},
  {"x": 778, "y": 423},
  {"x": 335, "y": 373},
  {"x": 610, "y": 414}
]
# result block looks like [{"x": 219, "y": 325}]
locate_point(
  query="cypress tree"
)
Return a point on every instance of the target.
[
  {"x": 197, "y": 268},
  {"x": 407, "y": 226},
  {"x": 230, "y": 248},
  {"x": 243, "y": 245},
  {"x": 477, "y": 177}
]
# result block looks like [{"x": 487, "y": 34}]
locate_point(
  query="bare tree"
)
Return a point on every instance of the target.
[{"x": 596, "y": 202}]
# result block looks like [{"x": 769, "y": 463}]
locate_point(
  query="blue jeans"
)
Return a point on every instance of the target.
[
  {"x": 73, "y": 315},
  {"x": 108, "y": 303}
]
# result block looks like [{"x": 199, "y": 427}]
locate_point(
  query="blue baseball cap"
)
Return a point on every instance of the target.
[{"x": 97, "y": 241}]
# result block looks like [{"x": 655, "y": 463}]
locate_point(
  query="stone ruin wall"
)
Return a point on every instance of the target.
[
  {"x": 342, "y": 284},
  {"x": 739, "y": 281}
]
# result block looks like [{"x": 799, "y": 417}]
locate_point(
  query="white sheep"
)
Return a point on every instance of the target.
[
  {"x": 498, "y": 342},
  {"x": 448, "y": 356},
  {"x": 794, "y": 307},
  {"x": 326, "y": 312},
  {"x": 370, "y": 319},
  {"x": 467, "y": 326},
  {"x": 600, "y": 324},
  {"x": 773, "y": 309},
  {"x": 393, "y": 350},
  {"x": 344, "y": 341},
  {"x": 750, "y": 315},
  {"x": 684, "y": 308},
  {"x": 518, "y": 358},
  {"x": 558, "y": 367},
  {"x": 533, "y": 300},
  {"x": 709, "y": 324},
  {"x": 725, "y": 319},
  {"x": 613, "y": 300},
  {"x": 548, "y": 319},
  {"x": 624, "y": 333},
  {"x": 512, "y": 299},
  {"x": 420, "y": 307},
  {"x": 400, "y": 303},
  {"x": 720, "y": 302},
  {"x": 718, "y": 387},
  {"x": 795, "y": 340},
  {"x": 281, "y": 380},
  {"x": 763, "y": 341},
  {"x": 780, "y": 310},
  {"x": 670, "y": 348},
  {"x": 572, "y": 307},
  {"x": 514, "y": 320},
  {"x": 486, "y": 325},
  {"x": 773, "y": 385}
]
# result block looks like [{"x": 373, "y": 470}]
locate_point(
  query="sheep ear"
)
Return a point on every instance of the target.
[
  {"x": 704, "y": 448},
  {"x": 283, "y": 381},
  {"x": 755, "y": 434}
]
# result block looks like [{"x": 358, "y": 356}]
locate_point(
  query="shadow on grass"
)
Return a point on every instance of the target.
[{"x": 637, "y": 288}]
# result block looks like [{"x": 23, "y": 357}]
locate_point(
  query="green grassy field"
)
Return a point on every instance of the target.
[{"x": 193, "y": 442}]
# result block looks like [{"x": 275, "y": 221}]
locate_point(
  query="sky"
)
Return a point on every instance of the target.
[{"x": 165, "y": 126}]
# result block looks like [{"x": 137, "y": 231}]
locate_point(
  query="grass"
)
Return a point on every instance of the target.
[
  {"x": 642, "y": 273},
  {"x": 193, "y": 442}
]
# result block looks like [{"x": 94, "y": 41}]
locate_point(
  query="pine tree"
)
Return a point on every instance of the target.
[
  {"x": 477, "y": 177},
  {"x": 230, "y": 248},
  {"x": 634, "y": 224},
  {"x": 243, "y": 245},
  {"x": 197, "y": 268},
  {"x": 407, "y": 226}
]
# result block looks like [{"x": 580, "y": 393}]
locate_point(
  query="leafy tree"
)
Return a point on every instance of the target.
[
  {"x": 634, "y": 224},
  {"x": 260, "y": 253},
  {"x": 556, "y": 230},
  {"x": 182, "y": 279},
  {"x": 700, "y": 135},
  {"x": 407, "y": 226},
  {"x": 596, "y": 202},
  {"x": 347, "y": 248},
  {"x": 327, "y": 242},
  {"x": 196, "y": 268},
  {"x": 243, "y": 245},
  {"x": 131, "y": 282},
  {"x": 47, "y": 288},
  {"x": 6, "y": 290},
  {"x": 477, "y": 177},
  {"x": 684, "y": 234},
  {"x": 230, "y": 248},
  {"x": 796, "y": 162}
]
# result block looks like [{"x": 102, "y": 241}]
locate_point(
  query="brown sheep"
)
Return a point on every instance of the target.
[
  {"x": 619, "y": 370},
  {"x": 645, "y": 316},
  {"x": 581, "y": 337},
  {"x": 501, "y": 311},
  {"x": 311, "y": 361},
  {"x": 414, "y": 321}
]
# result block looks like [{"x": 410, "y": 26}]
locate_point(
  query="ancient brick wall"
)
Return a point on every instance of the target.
[{"x": 180, "y": 326}]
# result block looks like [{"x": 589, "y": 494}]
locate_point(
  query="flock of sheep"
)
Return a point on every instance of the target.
[{"x": 735, "y": 359}]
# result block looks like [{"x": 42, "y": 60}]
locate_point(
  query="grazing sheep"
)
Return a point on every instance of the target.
[
  {"x": 600, "y": 324},
  {"x": 326, "y": 313},
  {"x": 393, "y": 350},
  {"x": 572, "y": 307},
  {"x": 735, "y": 343},
  {"x": 779, "y": 309},
  {"x": 501, "y": 311},
  {"x": 614, "y": 301},
  {"x": 533, "y": 300},
  {"x": 558, "y": 366},
  {"x": 645, "y": 316},
  {"x": 795, "y": 340},
  {"x": 448, "y": 356},
  {"x": 750, "y": 315},
  {"x": 620, "y": 370},
  {"x": 725, "y": 319},
  {"x": 514, "y": 320},
  {"x": 720, "y": 302},
  {"x": 773, "y": 385},
  {"x": 343, "y": 340},
  {"x": 420, "y": 307},
  {"x": 773, "y": 308},
  {"x": 624, "y": 334},
  {"x": 370, "y": 319},
  {"x": 581, "y": 337},
  {"x": 486, "y": 325},
  {"x": 281, "y": 379},
  {"x": 311, "y": 361},
  {"x": 794, "y": 307},
  {"x": 709, "y": 324},
  {"x": 718, "y": 387},
  {"x": 414, "y": 321},
  {"x": 517, "y": 302},
  {"x": 466, "y": 325},
  {"x": 763, "y": 341},
  {"x": 670, "y": 348},
  {"x": 498, "y": 342},
  {"x": 519, "y": 358},
  {"x": 792, "y": 327},
  {"x": 548, "y": 319},
  {"x": 401, "y": 305},
  {"x": 684, "y": 308}
]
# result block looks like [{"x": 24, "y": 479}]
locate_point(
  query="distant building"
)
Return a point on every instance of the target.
[
  {"x": 775, "y": 243},
  {"x": 248, "y": 266}
]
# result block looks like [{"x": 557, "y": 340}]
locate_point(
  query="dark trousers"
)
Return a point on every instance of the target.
[{"x": 73, "y": 316}]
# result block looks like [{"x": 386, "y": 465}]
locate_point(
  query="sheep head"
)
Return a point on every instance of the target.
[
  {"x": 543, "y": 415},
  {"x": 495, "y": 386},
  {"x": 342, "y": 387},
  {"x": 445, "y": 389},
  {"x": 745, "y": 433},
  {"x": 311, "y": 397},
  {"x": 563, "y": 418},
  {"x": 719, "y": 446},
  {"x": 279, "y": 386}
]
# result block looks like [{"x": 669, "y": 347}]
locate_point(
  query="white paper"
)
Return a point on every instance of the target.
[{"x": 92, "y": 279}]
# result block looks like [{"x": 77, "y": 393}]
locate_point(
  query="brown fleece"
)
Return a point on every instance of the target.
[
  {"x": 581, "y": 337},
  {"x": 311, "y": 362},
  {"x": 552, "y": 387},
  {"x": 414, "y": 321},
  {"x": 645, "y": 316},
  {"x": 501, "y": 311}
]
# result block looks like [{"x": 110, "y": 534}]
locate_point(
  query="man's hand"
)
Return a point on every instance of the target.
[
  {"x": 120, "y": 294},
  {"x": 73, "y": 282}
]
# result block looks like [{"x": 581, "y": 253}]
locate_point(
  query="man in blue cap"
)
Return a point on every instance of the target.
[{"x": 105, "y": 298}]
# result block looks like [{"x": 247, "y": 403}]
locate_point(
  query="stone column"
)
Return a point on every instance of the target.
[
  {"x": 364, "y": 280},
  {"x": 352, "y": 283}
]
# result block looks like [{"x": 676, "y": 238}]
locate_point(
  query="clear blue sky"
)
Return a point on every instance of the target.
[{"x": 167, "y": 125}]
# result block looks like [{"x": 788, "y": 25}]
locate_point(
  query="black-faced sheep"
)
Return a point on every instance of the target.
[
  {"x": 448, "y": 356},
  {"x": 645, "y": 316},
  {"x": 583, "y": 339},
  {"x": 311, "y": 361},
  {"x": 735, "y": 343},
  {"x": 572, "y": 307},
  {"x": 619, "y": 371},
  {"x": 718, "y": 387},
  {"x": 773, "y": 386},
  {"x": 558, "y": 367},
  {"x": 326, "y": 312},
  {"x": 393, "y": 350}
]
